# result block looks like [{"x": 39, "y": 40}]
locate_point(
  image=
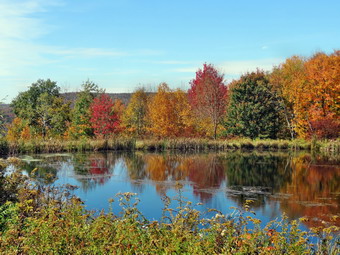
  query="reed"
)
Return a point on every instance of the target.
[{"x": 159, "y": 145}]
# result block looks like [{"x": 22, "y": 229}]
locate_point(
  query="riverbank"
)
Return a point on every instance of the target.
[
  {"x": 44, "y": 220},
  {"x": 181, "y": 144}
]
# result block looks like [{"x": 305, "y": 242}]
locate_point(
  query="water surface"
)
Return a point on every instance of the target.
[{"x": 297, "y": 185}]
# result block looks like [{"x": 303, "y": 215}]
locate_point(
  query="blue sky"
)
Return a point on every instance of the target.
[{"x": 121, "y": 44}]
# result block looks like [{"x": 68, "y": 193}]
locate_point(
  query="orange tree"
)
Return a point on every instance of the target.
[
  {"x": 169, "y": 113},
  {"x": 322, "y": 98},
  {"x": 310, "y": 89}
]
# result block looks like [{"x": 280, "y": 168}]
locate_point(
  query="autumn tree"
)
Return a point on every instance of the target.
[
  {"x": 103, "y": 120},
  {"x": 81, "y": 115},
  {"x": 169, "y": 113},
  {"x": 322, "y": 96},
  {"x": 310, "y": 89},
  {"x": 208, "y": 95},
  {"x": 134, "y": 117},
  {"x": 18, "y": 130},
  {"x": 118, "y": 108},
  {"x": 253, "y": 110}
]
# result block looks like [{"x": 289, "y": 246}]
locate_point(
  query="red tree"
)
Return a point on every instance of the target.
[
  {"x": 103, "y": 120},
  {"x": 208, "y": 95}
]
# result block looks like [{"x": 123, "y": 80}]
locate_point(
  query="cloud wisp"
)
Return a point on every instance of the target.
[{"x": 236, "y": 68}]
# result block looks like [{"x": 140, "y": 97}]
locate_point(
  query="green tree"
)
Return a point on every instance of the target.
[
  {"x": 26, "y": 103},
  {"x": 42, "y": 108},
  {"x": 134, "y": 118},
  {"x": 254, "y": 110},
  {"x": 81, "y": 115}
]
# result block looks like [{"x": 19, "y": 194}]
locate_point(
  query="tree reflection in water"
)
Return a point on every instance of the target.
[
  {"x": 93, "y": 169},
  {"x": 301, "y": 185},
  {"x": 256, "y": 175},
  {"x": 314, "y": 189}
]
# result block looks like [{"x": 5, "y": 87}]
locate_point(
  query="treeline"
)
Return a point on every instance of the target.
[{"x": 298, "y": 99}]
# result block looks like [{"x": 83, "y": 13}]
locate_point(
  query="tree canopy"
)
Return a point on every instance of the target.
[
  {"x": 208, "y": 95},
  {"x": 253, "y": 109}
]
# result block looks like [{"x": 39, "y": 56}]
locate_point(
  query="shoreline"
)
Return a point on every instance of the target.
[{"x": 160, "y": 145}]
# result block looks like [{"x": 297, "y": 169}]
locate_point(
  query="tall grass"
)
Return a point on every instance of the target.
[
  {"x": 52, "y": 146},
  {"x": 180, "y": 144}
]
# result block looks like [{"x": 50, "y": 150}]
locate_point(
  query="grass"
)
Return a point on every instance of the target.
[
  {"x": 48, "y": 220},
  {"x": 180, "y": 144}
]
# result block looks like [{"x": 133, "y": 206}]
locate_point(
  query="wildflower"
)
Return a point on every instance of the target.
[{"x": 223, "y": 232}]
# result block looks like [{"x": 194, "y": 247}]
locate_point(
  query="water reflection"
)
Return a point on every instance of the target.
[
  {"x": 299, "y": 185},
  {"x": 255, "y": 175},
  {"x": 314, "y": 189}
]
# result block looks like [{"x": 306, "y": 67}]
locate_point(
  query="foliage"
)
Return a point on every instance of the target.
[
  {"x": 81, "y": 115},
  {"x": 42, "y": 108},
  {"x": 119, "y": 108},
  {"x": 208, "y": 95},
  {"x": 310, "y": 88},
  {"x": 134, "y": 117},
  {"x": 322, "y": 96},
  {"x": 103, "y": 120},
  {"x": 18, "y": 130},
  {"x": 53, "y": 115},
  {"x": 25, "y": 104},
  {"x": 253, "y": 110},
  {"x": 169, "y": 113}
]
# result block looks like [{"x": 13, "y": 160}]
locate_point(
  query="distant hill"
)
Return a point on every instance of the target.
[
  {"x": 124, "y": 97},
  {"x": 7, "y": 112}
]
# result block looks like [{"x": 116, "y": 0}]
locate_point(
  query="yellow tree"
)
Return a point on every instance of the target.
[
  {"x": 134, "y": 117},
  {"x": 18, "y": 130},
  {"x": 169, "y": 113},
  {"x": 289, "y": 83}
]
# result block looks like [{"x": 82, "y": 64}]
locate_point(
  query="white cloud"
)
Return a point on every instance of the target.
[
  {"x": 20, "y": 31},
  {"x": 186, "y": 70},
  {"x": 16, "y": 21},
  {"x": 236, "y": 68},
  {"x": 82, "y": 52}
]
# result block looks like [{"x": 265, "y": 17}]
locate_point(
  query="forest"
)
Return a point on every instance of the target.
[{"x": 297, "y": 99}]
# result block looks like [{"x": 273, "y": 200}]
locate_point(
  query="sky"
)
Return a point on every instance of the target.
[{"x": 124, "y": 44}]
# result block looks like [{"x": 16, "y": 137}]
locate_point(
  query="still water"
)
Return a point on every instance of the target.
[{"x": 297, "y": 185}]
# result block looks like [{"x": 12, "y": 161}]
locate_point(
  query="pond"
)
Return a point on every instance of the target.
[{"x": 295, "y": 184}]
